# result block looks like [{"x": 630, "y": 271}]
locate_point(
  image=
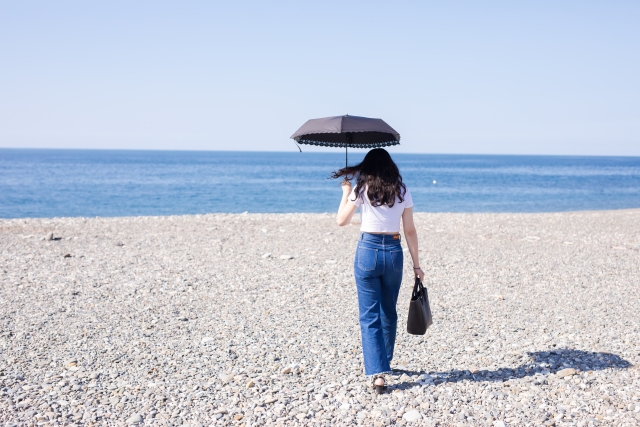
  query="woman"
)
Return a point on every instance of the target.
[{"x": 383, "y": 200}]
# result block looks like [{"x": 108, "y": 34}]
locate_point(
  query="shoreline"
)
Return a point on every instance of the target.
[{"x": 247, "y": 213}]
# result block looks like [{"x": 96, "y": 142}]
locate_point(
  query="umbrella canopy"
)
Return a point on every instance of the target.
[{"x": 347, "y": 131}]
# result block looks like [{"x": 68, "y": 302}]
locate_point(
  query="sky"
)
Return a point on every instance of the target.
[{"x": 490, "y": 77}]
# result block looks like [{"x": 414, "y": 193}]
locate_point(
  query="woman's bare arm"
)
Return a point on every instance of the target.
[
  {"x": 346, "y": 209},
  {"x": 411, "y": 236}
]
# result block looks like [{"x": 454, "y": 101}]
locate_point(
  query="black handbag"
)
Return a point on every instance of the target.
[{"x": 419, "y": 318}]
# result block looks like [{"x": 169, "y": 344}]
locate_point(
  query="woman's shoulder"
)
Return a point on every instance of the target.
[{"x": 407, "y": 198}]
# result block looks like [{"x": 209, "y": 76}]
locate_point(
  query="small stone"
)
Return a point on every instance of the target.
[
  {"x": 566, "y": 372},
  {"x": 301, "y": 416},
  {"x": 267, "y": 255},
  {"x": 426, "y": 378},
  {"x": 66, "y": 256},
  {"x": 251, "y": 383},
  {"x": 286, "y": 370},
  {"x": 270, "y": 400},
  {"x": 499, "y": 423},
  {"x": 120, "y": 244},
  {"x": 135, "y": 419},
  {"x": 238, "y": 417},
  {"x": 207, "y": 339},
  {"x": 71, "y": 362},
  {"x": 49, "y": 236},
  {"x": 411, "y": 416},
  {"x": 330, "y": 261},
  {"x": 226, "y": 378},
  {"x": 286, "y": 256}
]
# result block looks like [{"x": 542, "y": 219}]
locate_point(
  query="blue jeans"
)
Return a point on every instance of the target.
[{"x": 378, "y": 271}]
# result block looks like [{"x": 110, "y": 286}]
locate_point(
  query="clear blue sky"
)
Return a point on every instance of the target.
[{"x": 544, "y": 77}]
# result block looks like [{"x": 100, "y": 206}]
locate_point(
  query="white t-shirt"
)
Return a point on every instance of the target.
[{"x": 380, "y": 219}]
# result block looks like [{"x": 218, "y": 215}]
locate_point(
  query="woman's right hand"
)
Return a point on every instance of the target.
[
  {"x": 346, "y": 186},
  {"x": 419, "y": 273},
  {"x": 346, "y": 209}
]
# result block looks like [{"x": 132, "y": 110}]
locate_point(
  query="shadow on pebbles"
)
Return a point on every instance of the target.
[{"x": 248, "y": 320}]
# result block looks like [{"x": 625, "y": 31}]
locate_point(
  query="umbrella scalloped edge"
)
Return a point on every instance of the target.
[{"x": 350, "y": 145}]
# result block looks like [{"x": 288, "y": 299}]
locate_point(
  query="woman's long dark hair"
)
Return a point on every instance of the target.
[{"x": 379, "y": 174}]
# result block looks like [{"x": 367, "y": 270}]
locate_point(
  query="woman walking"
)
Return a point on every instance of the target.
[{"x": 384, "y": 201}]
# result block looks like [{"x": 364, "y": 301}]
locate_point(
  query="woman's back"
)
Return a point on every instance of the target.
[{"x": 380, "y": 219}]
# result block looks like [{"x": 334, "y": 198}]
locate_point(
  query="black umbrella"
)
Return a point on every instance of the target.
[{"x": 347, "y": 131}]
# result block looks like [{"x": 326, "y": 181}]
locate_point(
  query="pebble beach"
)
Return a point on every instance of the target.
[{"x": 251, "y": 320}]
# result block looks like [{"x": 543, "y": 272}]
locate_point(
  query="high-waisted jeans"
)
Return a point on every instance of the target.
[{"x": 378, "y": 272}]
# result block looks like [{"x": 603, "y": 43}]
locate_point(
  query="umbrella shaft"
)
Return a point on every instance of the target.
[{"x": 346, "y": 149}]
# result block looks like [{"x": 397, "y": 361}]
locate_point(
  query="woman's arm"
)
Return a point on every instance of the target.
[
  {"x": 411, "y": 235},
  {"x": 346, "y": 209}
]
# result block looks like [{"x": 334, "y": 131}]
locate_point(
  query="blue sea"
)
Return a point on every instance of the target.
[{"x": 59, "y": 183}]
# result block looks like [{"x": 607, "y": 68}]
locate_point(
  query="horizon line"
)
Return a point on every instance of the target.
[{"x": 315, "y": 151}]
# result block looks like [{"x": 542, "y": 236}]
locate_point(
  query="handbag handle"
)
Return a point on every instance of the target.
[{"x": 417, "y": 288}]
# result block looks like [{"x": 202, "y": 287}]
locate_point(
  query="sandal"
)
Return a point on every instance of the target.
[{"x": 379, "y": 388}]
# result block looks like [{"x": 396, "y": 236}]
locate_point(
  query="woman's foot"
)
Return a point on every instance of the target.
[{"x": 379, "y": 384}]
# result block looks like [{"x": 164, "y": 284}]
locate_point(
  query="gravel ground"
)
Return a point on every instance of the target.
[{"x": 252, "y": 320}]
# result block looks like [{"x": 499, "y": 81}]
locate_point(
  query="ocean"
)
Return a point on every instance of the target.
[{"x": 87, "y": 183}]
